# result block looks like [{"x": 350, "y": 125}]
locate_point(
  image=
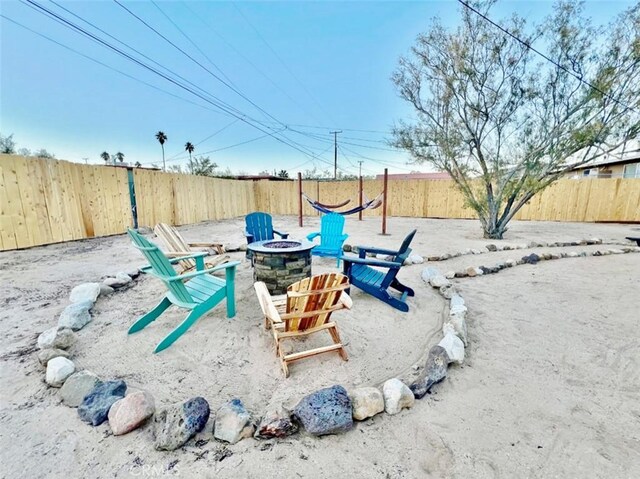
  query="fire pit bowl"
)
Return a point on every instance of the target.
[{"x": 279, "y": 263}]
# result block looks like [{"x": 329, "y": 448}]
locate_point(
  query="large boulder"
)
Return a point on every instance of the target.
[
  {"x": 56, "y": 338},
  {"x": 85, "y": 292},
  {"x": 327, "y": 411},
  {"x": 131, "y": 412},
  {"x": 435, "y": 371},
  {"x": 366, "y": 402},
  {"x": 76, "y": 316},
  {"x": 58, "y": 370},
  {"x": 233, "y": 422},
  {"x": 95, "y": 406},
  {"x": 179, "y": 422},
  {"x": 397, "y": 396},
  {"x": 77, "y": 386},
  {"x": 276, "y": 422},
  {"x": 46, "y": 355}
]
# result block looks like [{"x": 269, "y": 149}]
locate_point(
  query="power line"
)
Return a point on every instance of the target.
[
  {"x": 526, "y": 44},
  {"x": 207, "y": 138}
]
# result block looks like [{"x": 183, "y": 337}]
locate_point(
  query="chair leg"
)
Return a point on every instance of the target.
[
  {"x": 336, "y": 339},
  {"x": 398, "y": 286},
  {"x": 151, "y": 316},
  {"x": 231, "y": 292},
  {"x": 191, "y": 318}
]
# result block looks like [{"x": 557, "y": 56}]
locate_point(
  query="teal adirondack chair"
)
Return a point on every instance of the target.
[
  {"x": 198, "y": 291},
  {"x": 331, "y": 236},
  {"x": 259, "y": 227}
]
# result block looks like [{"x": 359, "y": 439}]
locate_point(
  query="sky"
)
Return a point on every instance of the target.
[{"x": 297, "y": 70}]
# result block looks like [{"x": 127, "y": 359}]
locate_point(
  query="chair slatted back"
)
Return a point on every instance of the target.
[
  {"x": 311, "y": 301},
  {"x": 260, "y": 225},
  {"x": 331, "y": 228},
  {"x": 403, "y": 253},
  {"x": 175, "y": 243},
  {"x": 161, "y": 265}
]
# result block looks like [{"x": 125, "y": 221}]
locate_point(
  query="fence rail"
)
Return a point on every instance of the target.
[{"x": 50, "y": 201}]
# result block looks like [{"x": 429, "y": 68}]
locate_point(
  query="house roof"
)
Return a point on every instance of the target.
[
  {"x": 629, "y": 153},
  {"x": 417, "y": 176}
]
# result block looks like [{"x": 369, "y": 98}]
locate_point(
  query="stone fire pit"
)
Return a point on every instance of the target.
[{"x": 279, "y": 263}]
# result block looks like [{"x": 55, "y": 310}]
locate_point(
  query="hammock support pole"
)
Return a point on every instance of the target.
[
  {"x": 300, "y": 199},
  {"x": 384, "y": 205}
]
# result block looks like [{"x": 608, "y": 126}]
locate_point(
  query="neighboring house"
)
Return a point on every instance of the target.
[
  {"x": 416, "y": 176},
  {"x": 608, "y": 168}
]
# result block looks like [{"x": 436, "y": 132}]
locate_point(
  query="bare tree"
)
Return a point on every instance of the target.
[{"x": 506, "y": 123}]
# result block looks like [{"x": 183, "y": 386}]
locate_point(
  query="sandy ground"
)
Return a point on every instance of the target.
[{"x": 549, "y": 388}]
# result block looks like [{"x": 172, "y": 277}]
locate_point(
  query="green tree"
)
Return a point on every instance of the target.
[
  {"x": 119, "y": 156},
  {"x": 42, "y": 153},
  {"x": 202, "y": 166},
  {"x": 7, "y": 145},
  {"x": 188, "y": 146},
  {"x": 505, "y": 123},
  {"x": 106, "y": 157},
  {"x": 161, "y": 137},
  {"x": 283, "y": 174}
]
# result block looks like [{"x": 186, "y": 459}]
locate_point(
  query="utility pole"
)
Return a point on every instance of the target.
[
  {"x": 360, "y": 163},
  {"x": 335, "y": 153}
]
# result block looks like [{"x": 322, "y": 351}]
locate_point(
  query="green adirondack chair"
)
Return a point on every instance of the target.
[
  {"x": 198, "y": 291},
  {"x": 331, "y": 236}
]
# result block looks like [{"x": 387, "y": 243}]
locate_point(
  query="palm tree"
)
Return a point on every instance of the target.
[
  {"x": 105, "y": 156},
  {"x": 161, "y": 137},
  {"x": 120, "y": 157},
  {"x": 188, "y": 146}
]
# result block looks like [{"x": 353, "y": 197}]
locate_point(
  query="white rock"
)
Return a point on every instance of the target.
[
  {"x": 233, "y": 422},
  {"x": 454, "y": 347},
  {"x": 457, "y": 309},
  {"x": 85, "y": 292},
  {"x": 56, "y": 338},
  {"x": 499, "y": 247},
  {"x": 456, "y": 300},
  {"x": 479, "y": 271},
  {"x": 616, "y": 251},
  {"x": 58, "y": 370},
  {"x": 397, "y": 396},
  {"x": 510, "y": 263},
  {"x": 416, "y": 259},
  {"x": 105, "y": 289},
  {"x": 459, "y": 324},
  {"x": 366, "y": 402},
  {"x": 430, "y": 272},
  {"x": 450, "y": 274},
  {"x": 439, "y": 281},
  {"x": 572, "y": 254},
  {"x": 477, "y": 251},
  {"x": 76, "y": 316}
]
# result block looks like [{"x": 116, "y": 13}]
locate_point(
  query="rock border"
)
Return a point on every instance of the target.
[{"x": 327, "y": 411}]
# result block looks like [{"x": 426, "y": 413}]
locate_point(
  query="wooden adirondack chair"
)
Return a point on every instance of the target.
[
  {"x": 259, "y": 227},
  {"x": 198, "y": 291},
  {"x": 361, "y": 273},
  {"x": 304, "y": 310},
  {"x": 331, "y": 236},
  {"x": 177, "y": 246}
]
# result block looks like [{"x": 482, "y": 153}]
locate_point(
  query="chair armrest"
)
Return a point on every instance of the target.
[
  {"x": 282, "y": 235},
  {"x": 205, "y": 245},
  {"x": 199, "y": 254},
  {"x": 313, "y": 235},
  {"x": 344, "y": 237},
  {"x": 373, "y": 249},
  {"x": 370, "y": 262},
  {"x": 248, "y": 235},
  {"x": 266, "y": 302},
  {"x": 181, "y": 277}
]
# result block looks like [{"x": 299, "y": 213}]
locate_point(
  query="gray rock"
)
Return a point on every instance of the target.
[
  {"x": 276, "y": 423},
  {"x": 447, "y": 291},
  {"x": 178, "y": 423},
  {"x": 327, "y": 411},
  {"x": 461, "y": 274},
  {"x": 435, "y": 370},
  {"x": 456, "y": 300},
  {"x": 77, "y": 386},
  {"x": 56, "y": 338},
  {"x": 121, "y": 280},
  {"x": 233, "y": 422},
  {"x": 346, "y": 248},
  {"x": 131, "y": 412},
  {"x": 58, "y": 370},
  {"x": 76, "y": 316},
  {"x": 430, "y": 272},
  {"x": 433, "y": 258},
  {"x": 397, "y": 396},
  {"x": 85, "y": 292},
  {"x": 46, "y": 355},
  {"x": 457, "y": 309},
  {"x": 477, "y": 251},
  {"x": 510, "y": 263},
  {"x": 450, "y": 274},
  {"x": 366, "y": 402},
  {"x": 95, "y": 405},
  {"x": 133, "y": 273},
  {"x": 105, "y": 290},
  {"x": 491, "y": 247},
  {"x": 531, "y": 259},
  {"x": 439, "y": 281}
]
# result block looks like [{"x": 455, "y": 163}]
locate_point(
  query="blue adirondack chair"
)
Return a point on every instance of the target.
[
  {"x": 259, "y": 227},
  {"x": 331, "y": 236},
  {"x": 361, "y": 273},
  {"x": 198, "y": 291}
]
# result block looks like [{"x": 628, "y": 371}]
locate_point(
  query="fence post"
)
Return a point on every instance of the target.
[
  {"x": 132, "y": 197},
  {"x": 384, "y": 203},
  {"x": 300, "y": 199}
]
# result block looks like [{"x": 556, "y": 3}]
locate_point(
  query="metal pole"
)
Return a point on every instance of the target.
[
  {"x": 300, "y": 199},
  {"x": 360, "y": 212},
  {"x": 317, "y": 195},
  {"x": 384, "y": 204},
  {"x": 335, "y": 153}
]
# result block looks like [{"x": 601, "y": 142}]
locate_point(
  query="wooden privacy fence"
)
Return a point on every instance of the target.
[{"x": 49, "y": 201}]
